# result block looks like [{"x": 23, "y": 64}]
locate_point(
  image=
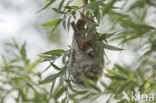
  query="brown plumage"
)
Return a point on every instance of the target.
[
  {"x": 84, "y": 44},
  {"x": 84, "y": 61},
  {"x": 81, "y": 24}
]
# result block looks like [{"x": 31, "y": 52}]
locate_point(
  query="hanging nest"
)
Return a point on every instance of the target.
[{"x": 86, "y": 59}]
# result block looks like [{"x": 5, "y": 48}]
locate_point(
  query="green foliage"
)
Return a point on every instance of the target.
[
  {"x": 124, "y": 79},
  {"x": 106, "y": 46},
  {"x": 128, "y": 26},
  {"x": 52, "y": 77},
  {"x": 17, "y": 71},
  {"x": 52, "y": 23},
  {"x": 49, "y": 2}
]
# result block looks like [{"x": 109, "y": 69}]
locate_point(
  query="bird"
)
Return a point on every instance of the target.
[
  {"x": 84, "y": 44},
  {"x": 84, "y": 60}
]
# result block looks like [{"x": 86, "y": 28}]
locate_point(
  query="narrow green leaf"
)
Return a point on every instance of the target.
[
  {"x": 132, "y": 37},
  {"x": 124, "y": 86},
  {"x": 98, "y": 15},
  {"x": 47, "y": 68},
  {"x": 148, "y": 83},
  {"x": 113, "y": 84},
  {"x": 69, "y": 23},
  {"x": 54, "y": 28},
  {"x": 76, "y": 90},
  {"x": 52, "y": 88},
  {"x": 116, "y": 77},
  {"x": 56, "y": 10},
  {"x": 108, "y": 35},
  {"x": 141, "y": 28},
  {"x": 23, "y": 77},
  {"x": 47, "y": 57},
  {"x": 79, "y": 92},
  {"x": 111, "y": 72},
  {"x": 59, "y": 92},
  {"x": 103, "y": 84},
  {"x": 15, "y": 43},
  {"x": 15, "y": 60},
  {"x": 34, "y": 64},
  {"x": 75, "y": 7},
  {"x": 140, "y": 74},
  {"x": 88, "y": 95},
  {"x": 64, "y": 58},
  {"x": 72, "y": 7},
  {"x": 68, "y": 7},
  {"x": 153, "y": 45},
  {"x": 55, "y": 66},
  {"x": 109, "y": 6},
  {"x": 110, "y": 47},
  {"x": 52, "y": 23},
  {"x": 102, "y": 37},
  {"x": 6, "y": 63},
  {"x": 105, "y": 36},
  {"x": 92, "y": 85},
  {"x": 50, "y": 78},
  {"x": 64, "y": 23},
  {"x": 23, "y": 50},
  {"x": 62, "y": 80},
  {"x": 47, "y": 5},
  {"x": 54, "y": 52},
  {"x": 93, "y": 5},
  {"x": 124, "y": 71},
  {"x": 60, "y": 6}
]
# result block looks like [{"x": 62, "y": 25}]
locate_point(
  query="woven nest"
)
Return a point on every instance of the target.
[{"x": 82, "y": 66}]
